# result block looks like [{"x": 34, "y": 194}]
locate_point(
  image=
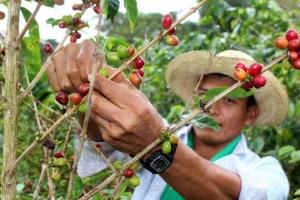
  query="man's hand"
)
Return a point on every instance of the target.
[
  {"x": 70, "y": 68},
  {"x": 72, "y": 65},
  {"x": 127, "y": 120}
]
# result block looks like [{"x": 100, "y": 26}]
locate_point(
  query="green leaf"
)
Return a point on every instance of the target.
[
  {"x": 132, "y": 12},
  {"x": 285, "y": 151},
  {"x": 235, "y": 94},
  {"x": 53, "y": 21},
  {"x": 31, "y": 52},
  {"x": 297, "y": 193},
  {"x": 204, "y": 121},
  {"x": 175, "y": 113},
  {"x": 295, "y": 157}
]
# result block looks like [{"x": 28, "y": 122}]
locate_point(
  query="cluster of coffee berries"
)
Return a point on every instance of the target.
[
  {"x": 252, "y": 75},
  {"x": 74, "y": 23},
  {"x": 93, "y": 4},
  {"x": 291, "y": 42},
  {"x": 75, "y": 98},
  {"x": 58, "y": 163},
  {"x": 2, "y": 15},
  {"x": 123, "y": 53},
  {"x": 170, "y": 38},
  {"x": 133, "y": 180},
  {"x": 168, "y": 139}
]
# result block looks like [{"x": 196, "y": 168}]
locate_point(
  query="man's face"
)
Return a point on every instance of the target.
[{"x": 231, "y": 114}]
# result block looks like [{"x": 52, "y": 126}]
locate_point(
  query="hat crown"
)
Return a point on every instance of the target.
[{"x": 235, "y": 54}]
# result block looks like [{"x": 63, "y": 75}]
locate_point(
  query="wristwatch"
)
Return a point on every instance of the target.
[{"x": 158, "y": 161}]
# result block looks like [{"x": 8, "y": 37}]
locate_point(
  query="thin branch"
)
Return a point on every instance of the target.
[
  {"x": 101, "y": 154},
  {"x": 30, "y": 20},
  {"x": 42, "y": 176},
  {"x": 40, "y": 114},
  {"x": 67, "y": 114},
  {"x": 87, "y": 113},
  {"x": 50, "y": 186},
  {"x": 115, "y": 194},
  {"x": 67, "y": 139}
]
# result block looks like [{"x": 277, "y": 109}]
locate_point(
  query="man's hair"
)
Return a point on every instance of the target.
[{"x": 250, "y": 100}]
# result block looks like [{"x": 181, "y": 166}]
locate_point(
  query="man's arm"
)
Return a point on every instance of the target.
[{"x": 196, "y": 178}]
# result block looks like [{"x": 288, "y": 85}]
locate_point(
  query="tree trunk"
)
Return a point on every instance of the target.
[{"x": 11, "y": 103}]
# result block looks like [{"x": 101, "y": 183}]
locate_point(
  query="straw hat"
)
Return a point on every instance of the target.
[{"x": 184, "y": 71}]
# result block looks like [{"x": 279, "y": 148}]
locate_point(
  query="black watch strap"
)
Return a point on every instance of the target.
[{"x": 158, "y": 162}]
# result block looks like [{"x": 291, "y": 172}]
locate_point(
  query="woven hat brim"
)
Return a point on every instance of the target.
[{"x": 183, "y": 73}]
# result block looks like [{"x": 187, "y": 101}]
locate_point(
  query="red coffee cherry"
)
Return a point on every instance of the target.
[
  {"x": 259, "y": 81},
  {"x": 255, "y": 69},
  {"x": 128, "y": 172},
  {"x": 291, "y": 34},
  {"x": 48, "y": 48},
  {"x": 138, "y": 62},
  {"x": 62, "y": 98},
  {"x": 84, "y": 88},
  {"x": 167, "y": 21},
  {"x": 75, "y": 98}
]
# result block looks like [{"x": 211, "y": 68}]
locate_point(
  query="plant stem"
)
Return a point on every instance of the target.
[
  {"x": 11, "y": 106},
  {"x": 30, "y": 20}
]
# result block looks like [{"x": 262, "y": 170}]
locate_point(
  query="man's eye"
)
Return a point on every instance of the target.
[{"x": 229, "y": 100}]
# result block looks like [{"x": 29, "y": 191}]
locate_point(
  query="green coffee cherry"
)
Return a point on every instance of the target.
[
  {"x": 113, "y": 59},
  {"x": 104, "y": 72},
  {"x": 122, "y": 51},
  {"x": 134, "y": 181},
  {"x": 82, "y": 108},
  {"x": 118, "y": 164},
  {"x": 166, "y": 147}
]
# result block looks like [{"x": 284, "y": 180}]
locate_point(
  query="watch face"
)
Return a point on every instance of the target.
[{"x": 159, "y": 164}]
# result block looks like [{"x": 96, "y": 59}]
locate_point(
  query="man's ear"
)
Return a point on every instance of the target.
[{"x": 252, "y": 113}]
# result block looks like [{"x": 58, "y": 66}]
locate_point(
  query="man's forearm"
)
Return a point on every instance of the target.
[{"x": 196, "y": 178}]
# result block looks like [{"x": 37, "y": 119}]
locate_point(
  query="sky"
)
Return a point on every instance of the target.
[{"x": 144, "y": 6}]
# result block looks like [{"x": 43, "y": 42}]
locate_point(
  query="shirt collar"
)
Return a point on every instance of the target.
[{"x": 240, "y": 149}]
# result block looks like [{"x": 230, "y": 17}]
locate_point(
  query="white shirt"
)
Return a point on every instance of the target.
[{"x": 261, "y": 178}]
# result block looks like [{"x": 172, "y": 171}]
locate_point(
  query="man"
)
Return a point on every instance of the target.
[{"x": 214, "y": 165}]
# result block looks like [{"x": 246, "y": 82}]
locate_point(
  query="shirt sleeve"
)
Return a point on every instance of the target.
[
  {"x": 262, "y": 180},
  {"x": 90, "y": 161}
]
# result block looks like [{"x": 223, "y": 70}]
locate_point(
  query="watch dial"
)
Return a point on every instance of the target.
[{"x": 159, "y": 164}]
